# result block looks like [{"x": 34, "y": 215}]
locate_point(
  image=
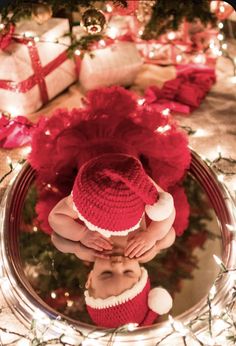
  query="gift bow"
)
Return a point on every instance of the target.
[
  {"x": 184, "y": 93},
  {"x": 15, "y": 132},
  {"x": 6, "y": 36}
]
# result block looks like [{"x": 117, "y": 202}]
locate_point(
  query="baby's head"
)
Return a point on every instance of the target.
[
  {"x": 113, "y": 276},
  {"x": 112, "y": 192},
  {"x": 118, "y": 293}
]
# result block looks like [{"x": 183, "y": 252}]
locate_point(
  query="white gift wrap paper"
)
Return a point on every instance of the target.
[
  {"x": 15, "y": 65},
  {"x": 118, "y": 64}
]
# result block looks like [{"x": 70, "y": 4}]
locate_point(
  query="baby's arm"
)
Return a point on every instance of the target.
[
  {"x": 62, "y": 219},
  {"x": 75, "y": 247},
  {"x": 159, "y": 229},
  {"x": 144, "y": 240}
]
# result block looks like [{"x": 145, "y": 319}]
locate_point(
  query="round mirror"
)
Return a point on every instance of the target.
[{"x": 42, "y": 279}]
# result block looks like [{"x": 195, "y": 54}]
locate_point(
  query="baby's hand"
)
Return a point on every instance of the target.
[
  {"x": 139, "y": 243},
  {"x": 78, "y": 249},
  {"x": 95, "y": 241}
]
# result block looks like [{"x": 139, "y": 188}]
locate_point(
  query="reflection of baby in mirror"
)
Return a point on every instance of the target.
[
  {"x": 118, "y": 288},
  {"x": 112, "y": 195}
]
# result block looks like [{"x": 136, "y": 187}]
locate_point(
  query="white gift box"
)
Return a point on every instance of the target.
[
  {"x": 34, "y": 68},
  {"x": 117, "y": 63}
]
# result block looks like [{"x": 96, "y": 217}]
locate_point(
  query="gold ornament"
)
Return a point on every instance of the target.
[
  {"x": 41, "y": 13},
  {"x": 93, "y": 21}
]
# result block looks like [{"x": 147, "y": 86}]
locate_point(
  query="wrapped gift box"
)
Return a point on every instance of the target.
[
  {"x": 117, "y": 63},
  {"x": 162, "y": 53},
  {"x": 34, "y": 68}
]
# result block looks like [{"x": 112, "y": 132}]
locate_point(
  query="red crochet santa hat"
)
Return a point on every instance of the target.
[
  {"x": 111, "y": 193},
  {"x": 139, "y": 304}
]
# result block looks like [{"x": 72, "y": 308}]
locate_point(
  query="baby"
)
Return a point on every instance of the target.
[
  {"x": 111, "y": 196},
  {"x": 118, "y": 289}
]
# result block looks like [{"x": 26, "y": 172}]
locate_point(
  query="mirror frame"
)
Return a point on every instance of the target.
[{"x": 27, "y": 305}]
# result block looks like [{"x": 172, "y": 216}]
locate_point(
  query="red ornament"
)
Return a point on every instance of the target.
[{"x": 6, "y": 35}]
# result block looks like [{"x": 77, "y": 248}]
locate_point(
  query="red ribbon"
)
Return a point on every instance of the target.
[{"x": 40, "y": 72}]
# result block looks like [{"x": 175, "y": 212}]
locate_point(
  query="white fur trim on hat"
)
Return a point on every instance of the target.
[
  {"x": 98, "y": 303},
  {"x": 162, "y": 209},
  {"x": 159, "y": 300},
  {"x": 105, "y": 232}
]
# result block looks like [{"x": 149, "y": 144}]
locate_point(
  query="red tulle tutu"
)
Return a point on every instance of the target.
[{"x": 111, "y": 122}]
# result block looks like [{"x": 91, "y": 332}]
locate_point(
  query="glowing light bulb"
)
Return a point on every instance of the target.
[
  {"x": 219, "y": 150},
  {"x": 212, "y": 44},
  {"x": 171, "y": 35},
  {"x": 220, "y": 178},
  {"x": 2, "y": 26},
  {"x": 53, "y": 295},
  {"x": 222, "y": 9},
  {"x": 28, "y": 34},
  {"x": 102, "y": 43},
  {"x": 178, "y": 58},
  {"x": 36, "y": 39},
  {"x": 178, "y": 326},
  {"x": 200, "y": 59},
  {"x": 163, "y": 129},
  {"x": 112, "y": 32},
  {"x": 25, "y": 151},
  {"x": 69, "y": 303},
  {"x": 224, "y": 45},
  {"x": 215, "y": 311},
  {"x": 9, "y": 161},
  {"x": 166, "y": 111},
  {"x": 17, "y": 167},
  {"x": 77, "y": 52},
  {"x": 220, "y": 37},
  {"x": 220, "y": 25},
  {"x": 151, "y": 54},
  {"x": 231, "y": 228},
  {"x": 218, "y": 260},
  {"x": 109, "y": 8},
  {"x": 141, "y": 102},
  {"x": 212, "y": 292},
  {"x": 200, "y": 133},
  {"x": 47, "y": 133},
  {"x": 215, "y": 50}
]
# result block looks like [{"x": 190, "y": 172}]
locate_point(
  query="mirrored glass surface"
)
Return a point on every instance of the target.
[{"x": 186, "y": 269}]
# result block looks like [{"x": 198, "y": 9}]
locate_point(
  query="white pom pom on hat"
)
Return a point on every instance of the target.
[
  {"x": 162, "y": 209},
  {"x": 159, "y": 300}
]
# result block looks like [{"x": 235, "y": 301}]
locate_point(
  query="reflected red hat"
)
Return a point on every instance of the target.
[
  {"x": 111, "y": 193},
  {"x": 139, "y": 304}
]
